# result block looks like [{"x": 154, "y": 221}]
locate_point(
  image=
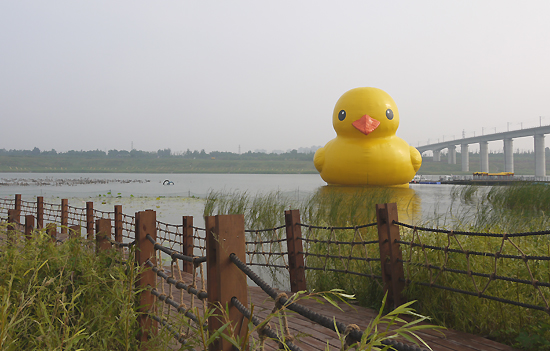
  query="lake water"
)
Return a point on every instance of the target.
[{"x": 137, "y": 192}]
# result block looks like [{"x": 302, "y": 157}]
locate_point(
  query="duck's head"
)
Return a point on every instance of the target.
[{"x": 365, "y": 112}]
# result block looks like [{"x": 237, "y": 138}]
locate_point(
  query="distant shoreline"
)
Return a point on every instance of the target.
[{"x": 523, "y": 165}]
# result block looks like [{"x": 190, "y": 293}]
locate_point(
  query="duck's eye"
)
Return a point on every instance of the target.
[
  {"x": 342, "y": 115},
  {"x": 389, "y": 114}
]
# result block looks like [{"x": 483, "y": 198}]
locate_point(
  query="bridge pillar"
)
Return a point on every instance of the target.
[
  {"x": 465, "y": 157},
  {"x": 437, "y": 155},
  {"x": 484, "y": 154},
  {"x": 509, "y": 155},
  {"x": 451, "y": 158},
  {"x": 540, "y": 160}
]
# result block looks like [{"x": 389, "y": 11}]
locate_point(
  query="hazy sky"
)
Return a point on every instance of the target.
[{"x": 214, "y": 75}]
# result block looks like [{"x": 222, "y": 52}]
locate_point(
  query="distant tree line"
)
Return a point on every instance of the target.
[{"x": 164, "y": 153}]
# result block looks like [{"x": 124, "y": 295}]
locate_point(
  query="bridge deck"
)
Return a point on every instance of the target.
[{"x": 320, "y": 336}]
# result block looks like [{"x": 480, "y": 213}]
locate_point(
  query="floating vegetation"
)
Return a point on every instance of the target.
[{"x": 64, "y": 181}]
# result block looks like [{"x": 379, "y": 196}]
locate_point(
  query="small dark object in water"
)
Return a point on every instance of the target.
[{"x": 168, "y": 182}]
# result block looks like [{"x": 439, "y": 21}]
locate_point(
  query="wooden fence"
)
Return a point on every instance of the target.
[{"x": 225, "y": 235}]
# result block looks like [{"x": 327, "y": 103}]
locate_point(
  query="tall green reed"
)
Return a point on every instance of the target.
[
  {"x": 66, "y": 297},
  {"x": 498, "y": 209},
  {"x": 477, "y": 209}
]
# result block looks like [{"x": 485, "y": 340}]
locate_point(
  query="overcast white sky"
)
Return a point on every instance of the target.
[{"x": 214, "y": 75}]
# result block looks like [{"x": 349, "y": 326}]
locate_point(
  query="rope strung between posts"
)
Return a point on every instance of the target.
[
  {"x": 264, "y": 331},
  {"x": 192, "y": 289},
  {"x": 180, "y": 338},
  {"x": 264, "y": 230},
  {"x": 279, "y": 307},
  {"x": 273, "y": 255},
  {"x": 458, "y": 232},
  {"x": 169, "y": 301},
  {"x": 497, "y": 254},
  {"x": 348, "y": 261},
  {"x": 202, "y": 294},
  {"x": 335, "y": 228},
  {"x": 479, "y": 290},
  {"x": 306, "y": 312},
  {"x": 174, "y": 254}
]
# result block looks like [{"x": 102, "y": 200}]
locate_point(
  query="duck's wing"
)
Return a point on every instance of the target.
[
  {"x": 416, "y": 158},
  {"x": 319, "y": 159}
]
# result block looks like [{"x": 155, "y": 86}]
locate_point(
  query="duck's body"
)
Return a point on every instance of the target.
[{"x": 366, "y": 150}]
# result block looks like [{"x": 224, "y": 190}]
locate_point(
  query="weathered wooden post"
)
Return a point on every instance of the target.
[
  {"x": 295, "y": 250},
  {"x": 118, "y": 225},
  {"x": 13, "y": 222},
  {"x": 51, "y": 230},
  {"x": 146, "y": 223},
  {"x": 188, "y": 244},
  {"x": 225, "y": 235},
  {"x": 74, "y": 231},
  {"x": 64, "y": 216},
  {"x": 390, "y": 253},
  {"x": 39, "y": 212},
  {"x": 102, "y": 234},
  {"x": 18, "y": 202},
  {"x": 89, "y": 220},
  {"x": 29, "y": 226}
]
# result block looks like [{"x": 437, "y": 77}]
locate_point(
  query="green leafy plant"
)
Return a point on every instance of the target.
[{"x": 66, "y": 296}]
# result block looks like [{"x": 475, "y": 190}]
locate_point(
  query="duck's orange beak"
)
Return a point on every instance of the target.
[{"x": 366, "y": 124}]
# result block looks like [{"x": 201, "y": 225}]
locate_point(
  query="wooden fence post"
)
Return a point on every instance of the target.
[
  {"x": 29, "y": 226},
  {"x": 18, "y": 202},
  {"x": 295, "y": 250},
  {"x": 90, "y": 220},
  {"x": 188, "y": 244},
  {"x": 390, "y": 253},
  {"x": 39, "y": 212},
  {"x": 102, "y": 234},
  {"x": 146, "y": 223},
  {"x": 225, "y": 235},
  {"x": 51, "y": 229},
  {"x": 118, "y": 225},
  {"x": 13, "y": 224},
  {"x": 13, "y": 217},
  {"x": 74, "y": 231},
  {"x": 64, "y": 216}
]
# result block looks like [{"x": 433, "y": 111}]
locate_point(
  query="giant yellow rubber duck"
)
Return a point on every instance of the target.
[{"x": 366, "y": 150}]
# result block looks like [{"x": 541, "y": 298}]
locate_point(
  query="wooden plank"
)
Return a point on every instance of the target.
[{"x": 449, "y": 340}]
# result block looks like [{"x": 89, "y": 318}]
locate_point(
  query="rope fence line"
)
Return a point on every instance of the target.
[
  {"x": 264, "y": 330},
  {"x": 177, "y": 335},
  {"x": 346, "y": 246},
  {"x": 151, "y": 254},
  {"x": 341, "y": 250},
  {"x": 264, "y": 248},
  {"x": 480, "y": 289},
  {"x": 174, "y": 254},
  {"x": 337, "y": 228},
  {"x": 326, "y": 322},
  {"x": 458, "y": 232},
  {"x": 201, "y": 294}
]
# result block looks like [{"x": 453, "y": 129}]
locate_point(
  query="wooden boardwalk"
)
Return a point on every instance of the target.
[{"x": 318, "y": 336}]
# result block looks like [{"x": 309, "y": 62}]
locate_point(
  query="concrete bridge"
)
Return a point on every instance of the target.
[{"x": 507, "y": 137}]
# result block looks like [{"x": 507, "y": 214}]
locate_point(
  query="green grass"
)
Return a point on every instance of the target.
[
  {"x": 65, "y": 297},
  {"x": 500, "y": 210},
  {"x": 68, "y": 164},
  {"x": 68, "y": 297}
]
